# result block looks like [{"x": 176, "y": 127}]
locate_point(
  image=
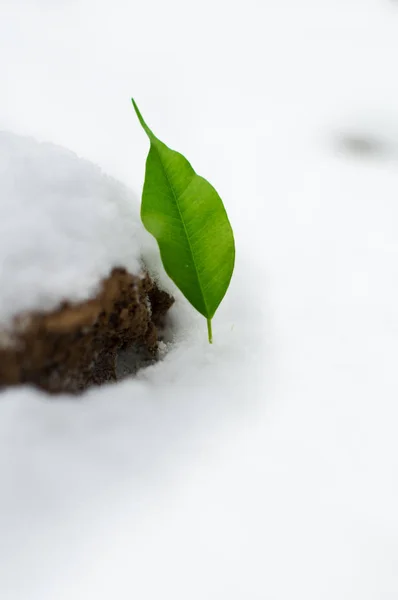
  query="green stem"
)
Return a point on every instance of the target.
[{"x": 209, "y": 331}]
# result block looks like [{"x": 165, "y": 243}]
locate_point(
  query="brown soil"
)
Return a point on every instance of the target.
[{"x": 76, "y": 346}]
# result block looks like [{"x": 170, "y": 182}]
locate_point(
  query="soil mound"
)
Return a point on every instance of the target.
[{"x": 76, "y": 346}]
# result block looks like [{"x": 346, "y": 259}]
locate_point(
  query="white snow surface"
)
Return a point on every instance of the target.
[
  {"x": 264, "y": 466},
  {"x": 64, "y": 225}
]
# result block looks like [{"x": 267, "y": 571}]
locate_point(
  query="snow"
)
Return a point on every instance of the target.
[
  {"x": 264, "y": 466},
  {"x": 64, "y": 226}
]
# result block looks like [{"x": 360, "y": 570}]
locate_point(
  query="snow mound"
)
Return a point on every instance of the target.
[{"x": 64, "y": 225}]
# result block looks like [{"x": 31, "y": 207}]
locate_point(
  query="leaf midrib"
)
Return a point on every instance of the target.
[{"x": 183, "y": 224}]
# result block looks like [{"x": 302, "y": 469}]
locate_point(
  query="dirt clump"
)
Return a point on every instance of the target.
[{"x": 76, "y": 346}]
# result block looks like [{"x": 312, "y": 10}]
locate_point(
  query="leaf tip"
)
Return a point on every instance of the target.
[{"x": 141, "y": 119}]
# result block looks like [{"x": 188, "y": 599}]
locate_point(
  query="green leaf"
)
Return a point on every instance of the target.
[{"x": 188, "y": 219}]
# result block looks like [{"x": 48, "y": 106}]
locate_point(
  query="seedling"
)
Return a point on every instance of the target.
[{"x": 187, "y": 217}]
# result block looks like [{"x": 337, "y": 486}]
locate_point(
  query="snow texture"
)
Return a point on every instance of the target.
[
  {"x": 64, "y": 226},
  {"x": 264, "y": 466}
]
